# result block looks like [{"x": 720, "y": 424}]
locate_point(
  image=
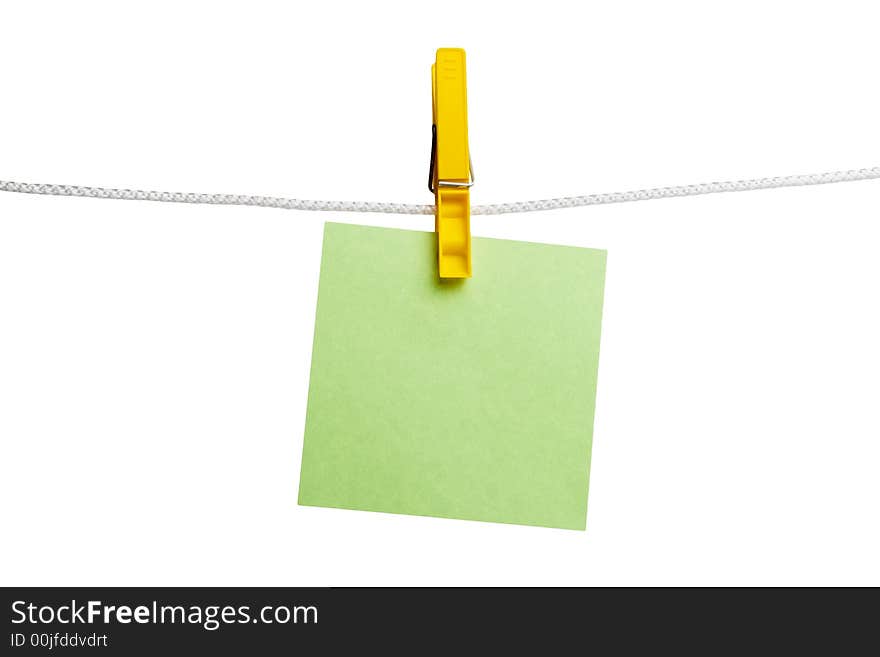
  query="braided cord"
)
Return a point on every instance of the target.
[
  {"x": 408, "y": 208},
  {"x": 214, "y": 199},
  {"x": 682, "y": 190}
]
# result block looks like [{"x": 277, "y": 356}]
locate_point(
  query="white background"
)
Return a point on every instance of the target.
[{"x": 154, "y": 359}]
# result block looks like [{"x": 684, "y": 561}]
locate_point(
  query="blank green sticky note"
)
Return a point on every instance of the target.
[{"x": 467, "y": 399}]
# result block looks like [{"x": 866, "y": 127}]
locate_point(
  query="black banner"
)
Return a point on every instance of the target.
[{"x": 131, "y": 621}]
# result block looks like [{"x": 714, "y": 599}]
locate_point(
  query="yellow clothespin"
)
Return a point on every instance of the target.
[{"x": 451, "y": 174}]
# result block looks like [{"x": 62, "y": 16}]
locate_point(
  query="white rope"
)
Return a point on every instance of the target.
[
  {"x": 214, "y": 199},
  {"x": 683, "y": 190},
  {"x": 405, "y": 208}
]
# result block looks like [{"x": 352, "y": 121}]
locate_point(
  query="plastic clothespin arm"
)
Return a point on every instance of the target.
[{"x": 451, "y": 176}]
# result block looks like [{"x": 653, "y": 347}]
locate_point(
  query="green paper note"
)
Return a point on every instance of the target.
[{"x": 467, "y": 399}]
